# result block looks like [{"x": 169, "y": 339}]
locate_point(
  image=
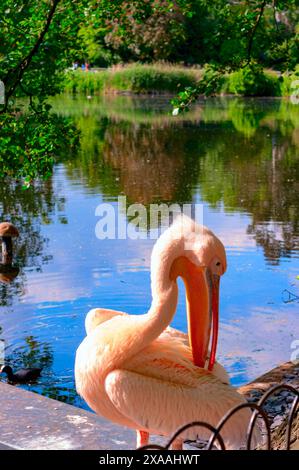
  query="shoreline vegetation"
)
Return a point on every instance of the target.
[{"x": 165, "y": 78}]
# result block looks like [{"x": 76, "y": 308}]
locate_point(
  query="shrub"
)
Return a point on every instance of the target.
[{"x": 252, "y": 80}]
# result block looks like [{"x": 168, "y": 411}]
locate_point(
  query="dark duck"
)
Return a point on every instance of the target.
[{"x": 22, "y": 375}]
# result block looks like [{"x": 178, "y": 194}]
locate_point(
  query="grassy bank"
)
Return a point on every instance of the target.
[{"x": 166, "y": 78}]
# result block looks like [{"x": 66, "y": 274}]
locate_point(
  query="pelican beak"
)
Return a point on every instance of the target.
[
  {"x": 215, "y": 317},
  {"x": 202, "y": 294}
]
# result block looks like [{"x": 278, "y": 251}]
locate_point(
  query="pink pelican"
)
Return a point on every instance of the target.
[{"x": 138, "y": 372}]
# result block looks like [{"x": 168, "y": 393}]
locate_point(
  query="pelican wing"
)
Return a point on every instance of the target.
[{"x": 160, "y": 406}]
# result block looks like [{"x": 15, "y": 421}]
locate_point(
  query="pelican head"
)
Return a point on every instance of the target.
[{"x": 194, "y": 253}]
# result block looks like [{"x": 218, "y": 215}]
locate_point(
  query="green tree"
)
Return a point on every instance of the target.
[
  {"x": 195, "y": 31},
  {"x": 38, "y": 40}
]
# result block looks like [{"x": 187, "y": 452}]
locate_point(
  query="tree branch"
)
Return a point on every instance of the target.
[
  {"x": 253, "y": 31},
  {"x": 20, "y": 69}
]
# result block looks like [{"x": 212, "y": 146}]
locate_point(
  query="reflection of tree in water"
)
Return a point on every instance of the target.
[
  {"x": 62, "y": 393},
  {"x": 244, "y": 154},
  {"x": 32, "y": 353},
  {"x": 280, "y": 207},
  {"x": 27, "y": 210},
  {"x": 155, "y": 164},
  {"x": 87, "y": 165},
  {"x": 147, "y": 163},
  {"x": 259, "y": 176},
  {"x": 274, "y": 248}
]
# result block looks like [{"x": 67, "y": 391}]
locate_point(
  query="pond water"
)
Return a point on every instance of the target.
[{"x": 237, "y": 157}]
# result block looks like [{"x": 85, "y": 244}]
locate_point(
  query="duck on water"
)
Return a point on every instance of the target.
[{"x": 22, "y": 375}]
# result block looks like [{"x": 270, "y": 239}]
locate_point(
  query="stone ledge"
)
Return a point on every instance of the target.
[{"x": 30, "y": 421}]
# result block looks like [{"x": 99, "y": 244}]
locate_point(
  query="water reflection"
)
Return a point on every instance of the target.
[
  {"x": 30, "y": 353},
  {"x": 238, "y": 157},
  {"x": 242, "y": 154}
]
